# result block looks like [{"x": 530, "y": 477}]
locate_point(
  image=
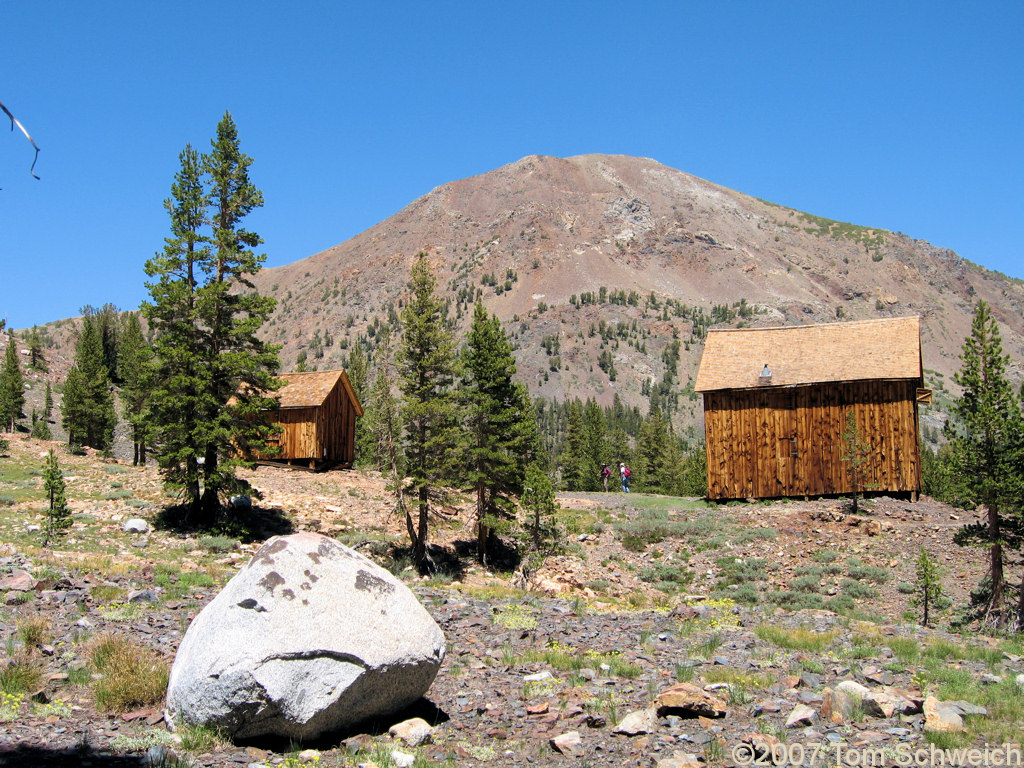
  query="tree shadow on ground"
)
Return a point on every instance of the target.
[
  {"x": 501, "y": 556},
  {"x": 423, "y": 708},
  {"x": 44, "y": 756},
  {"x": 443, "y": 562},
  {"x": 247, "y": 524}
]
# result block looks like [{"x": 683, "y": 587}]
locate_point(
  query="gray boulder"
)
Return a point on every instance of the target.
[{"x": 309, "y": 637}]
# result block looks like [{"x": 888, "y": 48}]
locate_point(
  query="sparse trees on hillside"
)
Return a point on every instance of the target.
[
  {"x": 426, "y": 366},
  {"x": 12, "y": 386},
  {"x": 500, "y": 436},
  {"x": 986, "y": 440},
  {"x": 213, "y": 372},
  {"x": 87, "y": 410},
  {"x": 37, "y": 361}
]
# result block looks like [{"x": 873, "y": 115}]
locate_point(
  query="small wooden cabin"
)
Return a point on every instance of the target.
[
  {"x": 317, "y": 416},
  {"x": 776, "y": 402}
]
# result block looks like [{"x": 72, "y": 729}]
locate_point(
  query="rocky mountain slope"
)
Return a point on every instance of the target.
[{"x": 598, "y": 263}]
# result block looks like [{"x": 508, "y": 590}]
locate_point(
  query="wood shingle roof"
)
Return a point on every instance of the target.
[
  {"x": 311, "y": 388},
  {"x": 887, "y": 348}
]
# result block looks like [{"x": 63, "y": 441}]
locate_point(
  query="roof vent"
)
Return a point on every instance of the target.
[{"x": 765, "y": 376}]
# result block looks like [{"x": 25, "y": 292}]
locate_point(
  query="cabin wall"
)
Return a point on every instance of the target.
[
  {"x": 336, "y": 422},
  {"x": 299, "y": 434},
  {"x": 786, "y": 441}
]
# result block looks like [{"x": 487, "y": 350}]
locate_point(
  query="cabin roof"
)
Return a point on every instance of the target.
[
  {"x": 311, "y": 388},
  {"x": 887, "y": 348}
]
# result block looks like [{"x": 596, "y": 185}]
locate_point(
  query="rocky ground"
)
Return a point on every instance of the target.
[{"x": 728, "y": 604}]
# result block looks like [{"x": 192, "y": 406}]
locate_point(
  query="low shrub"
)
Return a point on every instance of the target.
[
  {"x": 796, "y": 601},
  {"x": 868, "y": 573},
  {"x": 857, "y": 590}
]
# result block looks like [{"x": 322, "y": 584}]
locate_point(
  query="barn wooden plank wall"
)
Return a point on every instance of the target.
[{"x": 786, "y": 441}]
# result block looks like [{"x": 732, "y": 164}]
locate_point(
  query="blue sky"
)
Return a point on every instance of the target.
[{"x": 902, "y": 115}]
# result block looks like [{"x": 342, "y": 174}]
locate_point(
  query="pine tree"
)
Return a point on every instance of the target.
[
  {"x": 927, "y": 585},
  {"x": 651, "y": 466},
  {"x": 178, "y": 399},
  {"x": 12, "y": 386},
  {"x": 58, "y": 515},
  {"x": 500, "y": 435},
  {"x": 87, "y": 410},
  {"x": 986, "y": 443},
  {"x": 35, "y": 349},
  {"x": 426, "y": 366},
  {"x": 358, "y": 376},
  {"x": 383, "y": 417},
  {"x": 40, "y": 428},
  {"x": 214, "y": 373},
  {"x": 596, "y": 440},
  {"x": 48, "y": 403},
  {"x": 135, "y": 360},
  {"x": 575, "y": 458},
  {"x": 541, "y": 508}
]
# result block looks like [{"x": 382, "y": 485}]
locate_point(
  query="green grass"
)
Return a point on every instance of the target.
[
  {"x": 565, "y": 658},
  {"x": 943, "y": 649},
  {"x": 20, "y": 675},
  {"x": 795, "y": 639},
  {"x": 737, "y": 677},
  {"x": 707, "y": 647},
  {"x": 105, "y": 593},
  {"x": 905, "y": 648},
  {"x": 130, "y": 674}
]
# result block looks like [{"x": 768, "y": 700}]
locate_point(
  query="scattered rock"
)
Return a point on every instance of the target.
[
  {"x": 402, "y": 759},
  {"x": 135, "y": 525},
  {"x": 801, "y": 715},
  {"x": 679, "y": 760},
  {"x": 19, "y": 581},
  {"x": 941, "y": 717},
  {"x": 309, "y": 637},
  {"x": 688, "y": 700},
  {"x": 853, "y": 688},
  {"x": 637, "y": 723},
  {"x": 413, "y": 732},
  {"x": 569, "y": 744},
  {"x": 837, "y": 706}
]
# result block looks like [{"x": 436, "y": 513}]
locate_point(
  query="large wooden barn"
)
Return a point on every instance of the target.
[
  {"x": 317, "y": 416},
  {"x": 776, "y": 402}
]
